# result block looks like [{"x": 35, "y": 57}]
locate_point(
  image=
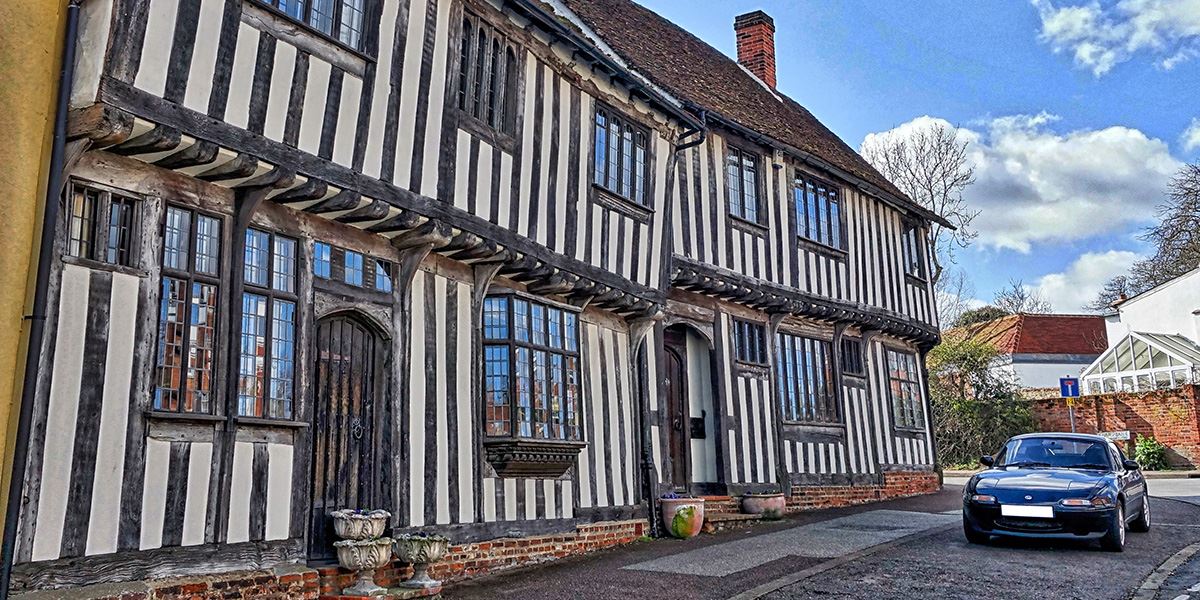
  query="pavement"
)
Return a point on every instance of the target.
[{"x": 904, "y": 549}]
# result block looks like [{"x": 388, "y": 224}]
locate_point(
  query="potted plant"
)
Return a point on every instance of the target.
[
  {"x": 770, "y": 505},
  {"x": 421, "y": 549},
  {"x": 682, "y": 515},
  {"x": 358, "y": 524},
  {"x": 364, "y": 556}
]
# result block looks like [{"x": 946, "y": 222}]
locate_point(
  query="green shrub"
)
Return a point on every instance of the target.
[{"x": 1150, "y": 453}]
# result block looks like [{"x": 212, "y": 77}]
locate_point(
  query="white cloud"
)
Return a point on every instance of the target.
[
  {"x": 1191, "y": 136},
  {"x": 1099, "y": 37},
  {"x": 1033, "y": 184},
  {"x": 1082, "y": 281}
]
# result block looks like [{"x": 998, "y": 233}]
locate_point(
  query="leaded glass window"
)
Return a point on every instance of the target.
[
  {"x": 341, "y": 20},
  {"x": 267, "y": 348},
  {"x": 742, "y": 183},
  {"x": 487, "y": 75},
  {"x": 905, "y": 388},
  {"x": 101, "y": 225},
  {"x": 804, "y": 371},
  {"x": 818, "y": 209},
  {"x": 619, "y": 156},
  {"x": 531, "y": 369},
  {"x": 188, "y": 312}
]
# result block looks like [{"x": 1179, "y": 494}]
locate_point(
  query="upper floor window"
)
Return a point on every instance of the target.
[
  {"x": 187, "y": 319},
  {"x": 818, "y": 212},
  {"x": 741, "y": 184},
  {"x": 352, "y": 268},
  {"x": 487, "y": 75},
  {"x": 905, "y": 390},
  {"x": 805, "y": 374},
  {"x": 619, "y": 156},
  {"x": 750, "y": 342},
  {"x": 341, "y": 20},
  {"x": 101, "y": 225},
  {"x": 913, "y": 243},
  {"x": 852, "y": 358},
  {"x": 531, "y": 369},
  {"x": 267, "y": 360}
]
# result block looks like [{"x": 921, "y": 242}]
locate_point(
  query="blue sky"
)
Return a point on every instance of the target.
[{"x": 1078, "y": 111}]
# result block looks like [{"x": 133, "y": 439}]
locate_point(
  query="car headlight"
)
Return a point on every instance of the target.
[
  {"x": 1097, "y": 502},
  {"x": 983, "y": 498}
]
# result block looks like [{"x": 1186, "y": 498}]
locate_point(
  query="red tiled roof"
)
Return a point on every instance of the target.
[
  {"x": 1041, "y": 334},
  {"x": 692, "y": 70}
]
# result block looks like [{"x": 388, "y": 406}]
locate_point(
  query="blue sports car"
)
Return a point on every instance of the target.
[{"x": 1057, "y": 485}]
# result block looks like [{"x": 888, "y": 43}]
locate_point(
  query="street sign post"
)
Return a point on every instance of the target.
[{"x": 1069, "y": 388}]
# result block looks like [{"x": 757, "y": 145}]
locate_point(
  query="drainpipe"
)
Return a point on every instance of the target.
[{"x": 50, "y": 210}]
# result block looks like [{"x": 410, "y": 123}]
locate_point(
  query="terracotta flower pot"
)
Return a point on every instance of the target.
[
  {"x": 770, "y": 506},
  {"x": 421, "y": 551},
  {"x": 683, "y": 517},
  {"x": 351, "y": 524}
]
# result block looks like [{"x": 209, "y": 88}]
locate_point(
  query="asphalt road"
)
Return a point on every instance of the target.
[{"x": 907, "y": 549}]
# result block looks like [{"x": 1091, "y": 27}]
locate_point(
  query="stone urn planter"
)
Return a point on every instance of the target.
[
  {"x": 422, "y": 550},
  {"x": 770, "y": 506},
  {"x": 682, "y": 517},
  {"x": 364, "y": 556},
  {"x": 354, "y": 524}
]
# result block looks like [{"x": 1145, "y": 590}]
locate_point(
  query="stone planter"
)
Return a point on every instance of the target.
[
  {"x": 683, "y": 517},
  {"x": 364, "y": 556},
  {"x": 351, "y": 524},
  {"x": 770, "y": 506},
  {"x": 421, "y": 551}
]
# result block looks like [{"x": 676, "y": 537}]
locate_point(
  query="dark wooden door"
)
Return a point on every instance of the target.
[
  {"x": 678, "y": 414},
  {"x": 351, "y": 449}
]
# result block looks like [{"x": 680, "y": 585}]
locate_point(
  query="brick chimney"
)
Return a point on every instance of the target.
[{"x": 755, "y": 33}]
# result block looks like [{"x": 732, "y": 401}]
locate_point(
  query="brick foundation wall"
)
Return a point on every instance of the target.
[
  {"x": 1171, "y": 416},
  {"x": 896, "y": 484},
  {"x": 290, "y": 582}
]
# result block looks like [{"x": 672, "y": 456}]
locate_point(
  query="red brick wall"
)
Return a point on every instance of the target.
[
  {"x": 755, "y": 33},
  {"x": 300, "y": 584},
  {"x": 896, "y": 484},
  {"x": 1171, "y": 416}
]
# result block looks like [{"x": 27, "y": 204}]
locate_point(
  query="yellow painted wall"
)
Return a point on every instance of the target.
[{"x": 30, "y": 51}]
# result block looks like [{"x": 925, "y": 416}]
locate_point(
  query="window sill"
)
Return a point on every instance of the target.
[
  {"x": 910, "y": 432},
  {"x": 261, "y": 422},
  {"x": 99, "y": 265},
  {"x": 915, "y": 279},
  {"x": 629, "y": 208},
  {"x": 163, "y": 415},
  {"x": 302, "y": 35},
  {"x": 752, "y": 227},
  {"x": 542, "y": 459},
  {"x": 486, "y": 133},
  {"x": 820, "y": 248}
]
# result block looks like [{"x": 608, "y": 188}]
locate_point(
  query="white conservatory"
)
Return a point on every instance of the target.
[{"x": 1144, "y": 361}]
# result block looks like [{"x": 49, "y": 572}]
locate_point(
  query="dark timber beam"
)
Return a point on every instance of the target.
[
  {"x": 200, "y": 153},
  {"x": 434, "y": 233},
  {"x": 243, "y": 165},
  {"x": 159, "y": 139},
  {"x": 404, "y": 221},
  {"x": 104, "y": 124},
  {"x": 343, "y": 200},
  {"x": 309, "y": 191},
  {"x": 374, "y": 211}
]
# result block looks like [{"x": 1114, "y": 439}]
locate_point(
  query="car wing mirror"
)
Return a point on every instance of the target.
[
  {"x": 1131, "y": 465},
  {"x": 987, "y": 461}
]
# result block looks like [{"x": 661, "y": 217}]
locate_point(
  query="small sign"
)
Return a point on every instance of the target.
[
  {"x": 1115, "y": 436},
  {"x": 1069, "y": 387}
]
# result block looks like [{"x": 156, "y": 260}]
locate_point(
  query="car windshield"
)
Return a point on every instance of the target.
[{"x": 1052, "y": 452}]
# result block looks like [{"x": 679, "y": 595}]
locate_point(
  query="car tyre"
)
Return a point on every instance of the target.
[
  {"x": 1142, "y": 523},
  {"x": 973, "y": 535},
  {"x": 1114, "y": 539}
]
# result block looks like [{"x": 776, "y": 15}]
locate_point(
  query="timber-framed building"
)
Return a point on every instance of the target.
[{"x": 505, "y": 268}]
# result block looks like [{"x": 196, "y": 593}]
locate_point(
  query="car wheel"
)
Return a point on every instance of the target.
[
  {"x": 1114, "y": 540},
  {"x": 974, "y": 536},
  {"x": 1142, "y": 523}
]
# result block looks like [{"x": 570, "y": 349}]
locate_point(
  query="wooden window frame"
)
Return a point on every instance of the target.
[
  {"x": 791, "y": 366},
  {"x": 913, "y": 417},
  {"x": 97, "y": 248},
  {"x": 746, "y": 351},
  {"x": 271, "y": 296},
  {"x": 337, "y": 269},
  {"x": 800, "y": 183},
  {"x": 190, "y": 276},
  {"x": 859, "y": 359},
  {"x": 304, "y": 22},
  {"x": 760, "y": 216},
  {"x": 639, "y": 194},
  {"x": 498, "y": 101},
  {"x": 912, "y": 240}
]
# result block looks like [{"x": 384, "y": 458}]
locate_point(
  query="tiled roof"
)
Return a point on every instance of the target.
[
  {"x": 1040, "y": 334},
  {"x": 695, "y": 72}
]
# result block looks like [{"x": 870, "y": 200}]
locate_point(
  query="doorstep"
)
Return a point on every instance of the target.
[{"x": 716, "y": 522}]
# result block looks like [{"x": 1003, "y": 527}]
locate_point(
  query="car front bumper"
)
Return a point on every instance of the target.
[{"x": 1068, "y": 523}]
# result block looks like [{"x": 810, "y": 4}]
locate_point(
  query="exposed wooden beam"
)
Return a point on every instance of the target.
[
  {"x": 404, "y": 221},
  {"x": 243, "y": 165},
  {"x": 343, "y": 200},
  {"x": 374, "y": 211},
  {"x": 200, "y": 153},
  {"x": 159, "y": 139},
  {"x": 434, "y": 233},
  {"x": 102, "y": 123}
]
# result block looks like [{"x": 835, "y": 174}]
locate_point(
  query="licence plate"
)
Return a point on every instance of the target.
[{"x": 1021, "y": 510}]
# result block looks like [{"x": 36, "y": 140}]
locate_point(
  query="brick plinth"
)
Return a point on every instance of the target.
[
  {"x": 896, "y": 484},
  {"x": 1170, "y": 416}
]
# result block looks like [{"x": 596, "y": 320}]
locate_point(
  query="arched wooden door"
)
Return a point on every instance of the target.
[{"x": 351, "y": 445}]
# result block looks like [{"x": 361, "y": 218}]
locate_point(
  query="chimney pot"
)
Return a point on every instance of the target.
[{"x": 755, "y": 32}]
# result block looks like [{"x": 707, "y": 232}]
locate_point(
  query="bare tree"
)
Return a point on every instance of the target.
[
  {"x": 930, "y": 165},
  {"x": 1117, "y": 288},
  {"x": 1017, "y": 299},
  {"x": 954, "y": 292}
]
